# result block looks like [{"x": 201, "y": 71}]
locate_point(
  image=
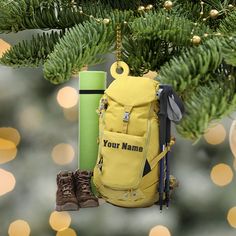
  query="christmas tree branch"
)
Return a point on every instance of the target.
[
  {"x": 143, "y": 55},
  {"x": 218, "y": 4},
  {"x": 191, "y": 67},
  {"x": 173, "y": 29},
  {"x": 84, "y": 44},
  {"x": 81, "y": 45},
  {"x": 187, "y": 9},
  {"x": 129, "y": 5},
  {"x": 54, "y": 14},
  {"x": 206, "y": 104},
  {"x": 228, "y": 24},
  {"x": 31, "y": 53},
  {"x": 156, "y": 38},
  {"x": 229, "y": 50}
]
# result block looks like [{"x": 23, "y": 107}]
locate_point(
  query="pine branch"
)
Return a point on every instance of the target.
[
  {"x": 218, "y": 4},
  {"x": 129, "y": 5},
  {"x": 173, "y": 29},
  {"x": 54, "y": 14},
  {"x": 187, "y": 9},
  {"x": 11, "y": 15},
  {"x": 222, "y": 6},
  {"x": 81, "y": 45},
  {"x": 31, "y": 53},
  {"x": 143, "y": 55},
  {"x": 228, "y": 25},
  {"x": 155, "y": 39},
  {"x": 206, "y": 104},
  {"x": 191, "y": 67},
  {"x": 84, "y": 44},
  {"x": 229, "y": 50}
]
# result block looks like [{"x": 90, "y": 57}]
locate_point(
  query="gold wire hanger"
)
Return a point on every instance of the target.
[{"x": 119, "y": 64}]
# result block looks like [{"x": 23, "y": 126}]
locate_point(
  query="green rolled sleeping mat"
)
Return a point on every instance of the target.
[{"x": 91, "y": 88}]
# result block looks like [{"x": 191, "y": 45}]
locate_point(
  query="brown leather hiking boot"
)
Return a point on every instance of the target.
[
  {"x": 84, "y": 193},
  {"x": 65, "y": 196}
]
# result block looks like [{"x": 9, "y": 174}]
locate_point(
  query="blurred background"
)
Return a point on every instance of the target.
[{"x": 38, "y": 138}]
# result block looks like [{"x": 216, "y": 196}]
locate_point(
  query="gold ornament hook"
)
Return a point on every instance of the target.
[{"x": 119, "y": 64}]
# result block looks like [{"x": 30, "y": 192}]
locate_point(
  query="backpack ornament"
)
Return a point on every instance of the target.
[{"x": 135, "y": 113}]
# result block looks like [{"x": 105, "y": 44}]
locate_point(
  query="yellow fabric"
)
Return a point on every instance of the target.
[
  {"x": 124, "y": 148},
  {"x": 116, "y": 150},
  {"x": 130, "y": 93}
]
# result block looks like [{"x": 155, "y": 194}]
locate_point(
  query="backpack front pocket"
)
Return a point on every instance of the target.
[{"x": 122, "y": 159}]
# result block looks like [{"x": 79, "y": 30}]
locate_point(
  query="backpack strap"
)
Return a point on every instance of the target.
[{"x": 161, "y": 155}]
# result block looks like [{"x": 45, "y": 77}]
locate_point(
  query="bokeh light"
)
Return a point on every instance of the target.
[
  {"x": 159, "y": 230},
  {"x": 8, "y": 151},
  {"x": 7, "y": 182},
  {"x": 59, "y": 220},
  {"x": 231, "y": 217},
  {"x": 234, "y": 164},
  {"x": 232, "y": 138},
  {"x": 221, "y": 174},
  {"x": 67, "y": 97},
  {"x": 4, "y": 46},
  {"x": 10, "y": 134},
  {"x": 215, "y": 134},
  {"x": 67, "y": 232},
  {"x": 63, "y": 154},
  {"x": 71, "y": 114},
  {"x": 19, "y": 228}
]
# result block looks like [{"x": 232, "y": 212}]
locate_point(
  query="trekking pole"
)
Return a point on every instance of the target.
[
  {"x": 167, "y": 180},
  {"x": 162, "y": 137},
  {"x": 171, "y": 109},
  {"x": 161, "y": 182}
]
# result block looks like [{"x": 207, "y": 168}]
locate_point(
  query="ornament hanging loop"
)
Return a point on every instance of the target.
[{"x": 119, "y": 64}]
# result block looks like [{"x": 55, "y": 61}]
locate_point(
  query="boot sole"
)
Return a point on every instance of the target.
[
  {"x": 67, "y": 207},
  {"x": 88, "y": 203}
]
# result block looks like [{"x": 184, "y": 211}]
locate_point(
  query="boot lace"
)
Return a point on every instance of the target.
[
  {"x": 66, "y": 187},
  {"x": 84, "y": 184}
]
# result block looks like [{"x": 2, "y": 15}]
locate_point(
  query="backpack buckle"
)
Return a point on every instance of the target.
[
  {"x": 100, "y": 163},
  {"x": 126, "y": 116}
]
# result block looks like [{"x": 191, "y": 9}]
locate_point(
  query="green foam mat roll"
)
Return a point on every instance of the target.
[{"x": 91, "y": 85}]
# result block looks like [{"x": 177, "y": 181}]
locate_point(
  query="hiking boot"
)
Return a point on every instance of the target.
[
  {"x": 84, "y": 193},
  {"x": 65, "y": 196}
]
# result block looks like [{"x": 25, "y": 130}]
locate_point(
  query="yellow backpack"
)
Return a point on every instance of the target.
[{"x": 127, "y": 169}]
